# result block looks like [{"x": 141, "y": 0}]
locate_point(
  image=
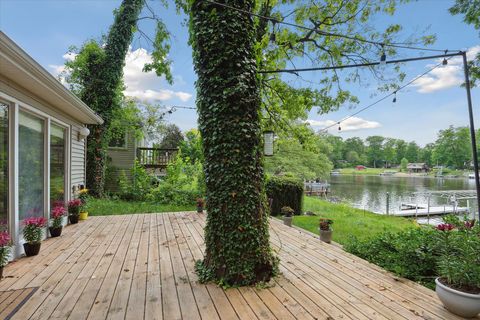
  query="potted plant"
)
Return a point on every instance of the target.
[
  {"x": 458, "y": 284},
  {"x": 57, "y": 215},
  {"x": 5, "y": 247},
  {"x": 200, "y": 205},
  {"x": 32, "y": 233},
  {"x": 325, "y": 229},
  {"x": 83, "y": 196},
  {"x": 74, "y": 210},
  {"x": 287, "y": 213}
]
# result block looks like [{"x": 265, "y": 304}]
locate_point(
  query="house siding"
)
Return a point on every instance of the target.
[{"x": 120, "y": 160}]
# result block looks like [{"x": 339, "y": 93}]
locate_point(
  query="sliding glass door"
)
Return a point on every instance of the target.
[
  {"x": 31, "y": 164},
  {"x": 57, "y": 166},
  {"x": 3, "y": 166}
]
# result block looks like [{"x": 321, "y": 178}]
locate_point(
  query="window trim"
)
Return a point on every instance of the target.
[{"x": 122, "y": 148}]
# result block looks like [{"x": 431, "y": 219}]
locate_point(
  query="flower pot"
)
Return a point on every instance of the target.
[
  {"x": 287, "y": 221},
  {"x": 463, "y": 304},
  {"x": 199, "y": 209},
  {"x": 73, "y": 219},
  {"x": 55, "y": 232},
  {"x": 31, "y": 249},
  {"x": 83, "y": 215},
  {"x": 326, "y": 235}
]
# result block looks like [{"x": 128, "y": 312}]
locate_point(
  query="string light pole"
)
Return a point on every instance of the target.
[{"x": 384, "y": 61}]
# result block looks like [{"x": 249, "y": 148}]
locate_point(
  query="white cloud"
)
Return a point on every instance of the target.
[
  {"x": 350, "y": 124},
  {"x": 445, "y": 77},
  {"x": 139, "y": 84}
]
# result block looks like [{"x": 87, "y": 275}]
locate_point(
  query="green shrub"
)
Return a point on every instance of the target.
[
  {"x": 285, "y": 192},
  {"x": 139, "y": 186},
  {"x": 412, "y": 254}
]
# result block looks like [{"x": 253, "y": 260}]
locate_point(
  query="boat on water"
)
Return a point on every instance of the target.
[
  {"x": 387, "y": 173},
  {"x": 335, "y": 173},
  {"x": 471, "y": 176}
]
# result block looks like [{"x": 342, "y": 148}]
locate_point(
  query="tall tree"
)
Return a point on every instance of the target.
[
  {"x": 412, "y": 152},
  {"x": 172, "y": 137},
  {"x": 375, "y": 149},
  {"x": 228, "y": 101}
]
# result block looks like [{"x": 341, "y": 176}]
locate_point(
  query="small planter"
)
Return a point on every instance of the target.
[
  {"x": 326, "y": 235},
  {"x": 287, "y": 220},
  {"x": 463, "y": 304},
  {"x": 199, "y": 209},
  {"x": 55, "y": 232},
  {"x": 73, "y": 218},
  {"x": 31, "y": 249},
  {"x": 83, "y": 216}
]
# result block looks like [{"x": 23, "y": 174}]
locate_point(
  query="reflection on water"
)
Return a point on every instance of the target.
[{"x": 370, "y": 192}]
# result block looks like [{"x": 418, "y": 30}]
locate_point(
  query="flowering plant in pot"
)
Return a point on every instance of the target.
[
  {"x": 83, "y": 196},
  {"x": 287, "y": 213},
  {"x": 200, "y": 205},
  {"x": 5, "y": 247},
  {"x": 74, "y": 210},
  {"x": 32, "y": 233},
  {"x": 458, "y": 284},
  {"x": 57, "y": 215},
  {"x": 325, "y": 229}
]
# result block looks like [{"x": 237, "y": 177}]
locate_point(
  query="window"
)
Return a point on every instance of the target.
[
  {"x": 57, "y": 166},
  {"x": 118, "y": 139},
  {"x": 3, "y": 166},
  {"x": 31, "y": 160}
]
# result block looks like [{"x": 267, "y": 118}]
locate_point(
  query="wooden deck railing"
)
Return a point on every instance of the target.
[{"x": 155, "y": 157}]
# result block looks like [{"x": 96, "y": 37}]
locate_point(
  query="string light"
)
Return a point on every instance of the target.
[
  {"x": 272, "y": 35},
  {"x": 445, "y": 62},
  {"x": 383, "y": 58},
  {"x": 394, "y": 97}
]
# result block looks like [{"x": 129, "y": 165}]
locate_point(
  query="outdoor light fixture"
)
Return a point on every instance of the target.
[
  {"x": 83, "y": 133},
  {"x": 268, "y": 137}
]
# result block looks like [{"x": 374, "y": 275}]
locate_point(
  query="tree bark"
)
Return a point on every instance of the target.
[{"x": 228, "y": 101}]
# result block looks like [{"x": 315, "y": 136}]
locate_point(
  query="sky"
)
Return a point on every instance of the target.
[{"x": 46, "y": 29}]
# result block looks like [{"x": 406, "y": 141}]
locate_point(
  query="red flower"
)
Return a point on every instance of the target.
[
  {"x": 469, "y": 224},
  {"x": 445, "y": 227},
  {"x": 4, "y": 239},
  {"x": 74, "y": 203}
]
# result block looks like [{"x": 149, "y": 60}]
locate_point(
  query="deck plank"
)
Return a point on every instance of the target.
[{"x": 142, "y": 267}]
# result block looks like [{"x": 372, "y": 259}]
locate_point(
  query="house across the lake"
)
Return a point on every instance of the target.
[
  {"x": 42, "y": 140},
  {"x": 417, "y": 167}
]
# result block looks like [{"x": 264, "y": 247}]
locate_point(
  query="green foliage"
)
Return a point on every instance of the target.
[
  {"x": 228, "y": 101},
  {"x": 287, "y": 211},
  {"x": 285, "y": 192},
  {"x": 291, "y": 158},
  {"x": 453, "y": 148},
  {"x": 172, "y": 137},
  {"x": 139, "y": 186},
  {"x": 4, "y": 255},
  {"x": 411, "y": 254},
  {"x": 403, "y": 164},
  {"x": 191, "y": 146}
]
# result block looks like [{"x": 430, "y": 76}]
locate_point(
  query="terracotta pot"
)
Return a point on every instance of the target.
[
  {"x": 326, "y": 235},
  {"x": 287, "y": 220},
  {"x": 463, "y": 304},
  {"x": 31, "y": 249},
  {"x": 83, "y": 216},
  {"x": 73, "y": 218},
  {"x": 55, "y": 232}
]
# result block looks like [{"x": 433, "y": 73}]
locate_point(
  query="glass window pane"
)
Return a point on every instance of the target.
[
  {"x": 3, "y": 166},
  {"x": 57, "y": 166},
  {"x": 30, "y": 166}
]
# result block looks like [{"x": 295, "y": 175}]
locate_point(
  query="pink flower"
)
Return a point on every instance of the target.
[
  {"x": 469, "y": 224},
  {"x": 74, "y": 203},
  {"x": 38, "y": 222},
  {"x": 445, "y": 227},
  {"x": 4, "y": 239},
  {"x": 58, "y": 212}
]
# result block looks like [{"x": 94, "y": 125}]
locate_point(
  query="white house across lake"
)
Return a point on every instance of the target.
[{"x": 42, "y": 140}]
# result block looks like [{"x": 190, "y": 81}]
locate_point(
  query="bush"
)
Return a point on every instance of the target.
[
  {"x": 285, "y": 192},
  {"x": 139, "y": 186},
  {"x": 412, "y": 254}
]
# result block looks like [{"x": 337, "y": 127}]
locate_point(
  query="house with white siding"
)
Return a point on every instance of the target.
[{"x": 42, "y": 140}]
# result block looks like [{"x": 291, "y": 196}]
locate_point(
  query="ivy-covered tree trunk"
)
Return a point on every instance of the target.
[
  {"x": 236, "y": 235},
  {"x": 103, "y": 92}
]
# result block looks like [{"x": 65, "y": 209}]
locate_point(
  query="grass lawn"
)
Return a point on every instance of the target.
[
  {"x": 348, "y": 221},
  {"x": 105, "y": 207},
  {"x": 367, "y": 171}
]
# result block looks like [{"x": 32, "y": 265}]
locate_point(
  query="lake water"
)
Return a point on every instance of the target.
[{"x": 370, "y": 192}]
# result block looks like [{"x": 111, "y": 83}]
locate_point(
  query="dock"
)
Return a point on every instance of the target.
[{"x": 432, "y": 211}]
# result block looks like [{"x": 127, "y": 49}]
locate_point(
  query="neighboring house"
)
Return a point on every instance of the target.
[
  {"x": 417, "y": 167},
  {"x": 42, "y": 140},
  {"x": 122, "y": 153}
]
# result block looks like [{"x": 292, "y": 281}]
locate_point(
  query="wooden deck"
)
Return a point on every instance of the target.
[{"x": 141, "y": 266}]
